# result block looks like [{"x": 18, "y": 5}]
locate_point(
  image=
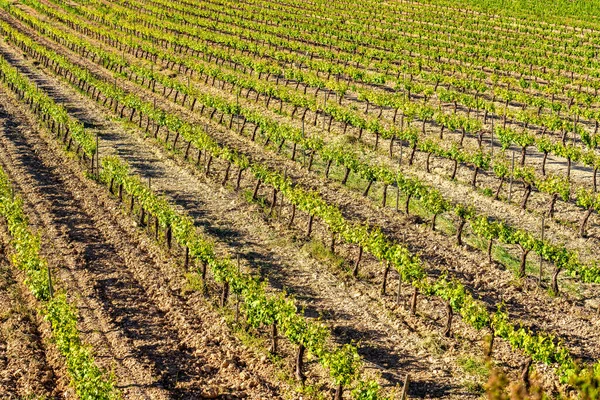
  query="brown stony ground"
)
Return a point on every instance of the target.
[
  {"x": 398, "y": 343},
  {"x": 29, "y": 366},
  {"x": 157, "y": 342}
]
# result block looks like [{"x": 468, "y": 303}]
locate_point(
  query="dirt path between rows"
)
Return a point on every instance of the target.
[
  {"x": 536, "y": 309},
  {"x": 514, "y": 296},
  {"x": 491, "y": 284},
  {"x": 391, "y": 346},
  {"x": 531, "y": 220},
  {"x": 579, "y": 171}
]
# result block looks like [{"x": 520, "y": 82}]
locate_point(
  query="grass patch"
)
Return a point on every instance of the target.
[
  {"x": 474, "y": 366},
  {"x": 487, "y": 192},
  {"x": 434, "y": 344},
  {"x": 477, "y": 373},
  {"x": 261, "y": 201},
  {"x": 312, "y": 391},
  {"x": 193, "y": 283},
  {"x": 502, "y": 255},
  {"x": 474, "y": 387},
  {"x": 321, "y": 253}
]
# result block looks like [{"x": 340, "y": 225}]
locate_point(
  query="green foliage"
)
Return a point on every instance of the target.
[
  {"x": 526, "y": 174},
  {"x": 505, "y": 135},
  {"x": 554, "y": 184},
  {"x": 261, "y": 308},
  {"x": 480, "y": 159},
  {"x": 343, "y": 363},
  {"x": 464, "y": 212},
  {"x": 588, "y": 199},
  {"x": 501, "y": 167},
  {"x": 265, "y": 310},
  {"x": 90, "y": 382},
  {"x": 368, "y": 390},
  {"x": 53, "y": 114},
  {"x": 587, "y": 382},
  {"x": 434, "y": 202}
]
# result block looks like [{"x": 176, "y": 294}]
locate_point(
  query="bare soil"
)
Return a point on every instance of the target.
[
  {"x": 288, "y": 261},
  {"x": 223, "y": 213},
  {"x": 29, "y": 367},
  {"x": 158, "y": 343}
]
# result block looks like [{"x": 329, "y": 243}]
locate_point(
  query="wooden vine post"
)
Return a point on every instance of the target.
[
  {"x": 356, "y": 264},
  {"x": 413, "y": 303},
  {"x": 404, "y": 394},
  {"x": 300, "y": 363},
  {"x": 448, "y": 329},
  {"x": 385, "y": 275},
  {"x": 237, "y": 295},
  {"x": 542, "y": 258},
  {"x": 97, "y": 158},
  {"x": 512, "y": 173},
  {"x": 525, "y": 374},
  {"x": 224, "y": 293},
  {"x": 50, "y": 286},
  {"x": 310, "y": 224},
  {"x": 399, "y": 291}
]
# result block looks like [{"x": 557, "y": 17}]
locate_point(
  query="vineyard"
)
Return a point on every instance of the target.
[{"x": 218, "y": 199}]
